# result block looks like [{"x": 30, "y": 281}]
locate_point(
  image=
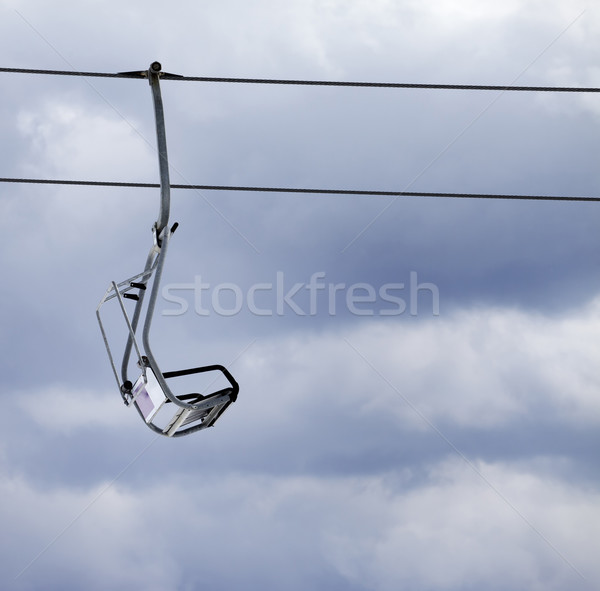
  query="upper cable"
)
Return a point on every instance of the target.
[{"x": 291, "y": 82}]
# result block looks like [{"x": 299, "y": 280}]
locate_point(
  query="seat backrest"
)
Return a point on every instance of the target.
[{"x": 148, "y": 395}]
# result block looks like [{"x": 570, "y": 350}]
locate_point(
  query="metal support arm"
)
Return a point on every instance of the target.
[
  {"x": 161, "y": 142},
  {"x": 194, "y": 411}
]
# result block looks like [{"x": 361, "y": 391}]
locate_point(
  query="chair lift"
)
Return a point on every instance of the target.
[{"x": 181, "y": 414}]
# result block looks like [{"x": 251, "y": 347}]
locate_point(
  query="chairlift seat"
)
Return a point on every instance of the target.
[
  {"x": 163, "y": 411},
  {"x": 192, "y": 412}
]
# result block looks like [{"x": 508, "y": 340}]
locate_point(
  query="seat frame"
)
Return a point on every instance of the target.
[
  {"x": 193, "y": 411},
  {"x": 150, "y": 392}
]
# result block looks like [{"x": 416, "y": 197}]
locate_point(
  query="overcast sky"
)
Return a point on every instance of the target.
[{"x": 426, "y": 417}]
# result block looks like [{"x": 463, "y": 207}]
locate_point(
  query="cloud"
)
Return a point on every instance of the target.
[
  {"x": 456, "y": 533},
  {"x": 453, "y": 532},
  {"x": 478, "y": 368},
  {"x": 67, "y": 140},
  {"x": 60, "y": 409}
]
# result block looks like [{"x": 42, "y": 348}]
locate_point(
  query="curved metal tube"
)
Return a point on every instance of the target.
[
  {"x": 150, "y": 314},
  {"x": 161, "y": 142},
  {"x": 158, "y": 251},
  {"x": 195, "y": 406}
]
